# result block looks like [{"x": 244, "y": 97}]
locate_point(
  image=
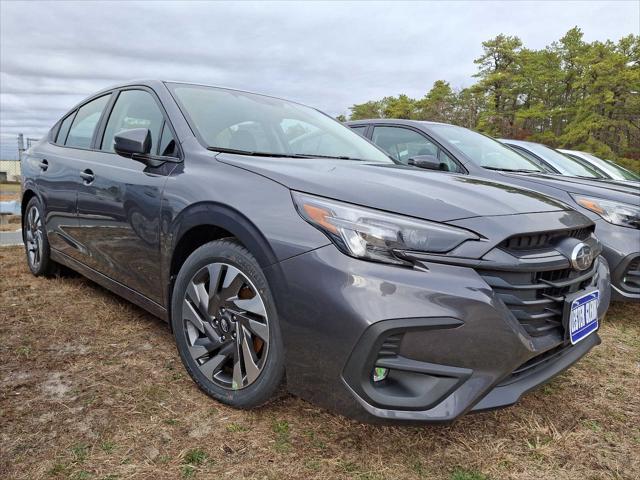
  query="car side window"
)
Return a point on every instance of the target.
[
  {"x": 452, "y": 165},
  {"x": 85, "y": 122},
  {"x": 133, "y": 109},
  {"x": 167, "y": 146},
  {"x": 360, "y": 129},
  {"x": 63, "y": 131},
  {"x": 403, "y": 144}
]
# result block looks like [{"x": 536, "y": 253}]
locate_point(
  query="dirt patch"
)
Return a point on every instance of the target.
[{"x": 91, "y": 387}]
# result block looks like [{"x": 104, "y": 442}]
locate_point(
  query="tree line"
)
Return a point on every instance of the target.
[{"x": 571, "y": 94}]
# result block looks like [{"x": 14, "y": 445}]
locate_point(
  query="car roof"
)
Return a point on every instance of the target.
[
  {"x": 517, "y": 142},
  {"x": 394, "y": 121},
  {"x": 141, "y": 82},
  {"x": 565, "y": 150},
  {"x": 157, "y": 83}
]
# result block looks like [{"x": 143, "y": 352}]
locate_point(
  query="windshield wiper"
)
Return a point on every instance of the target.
[
  {"x": 338, "y": 157},
  {"x": 516, "y": 170},
  {"x": 286, "y": 155},
  {"x": 256, "y": 154}
]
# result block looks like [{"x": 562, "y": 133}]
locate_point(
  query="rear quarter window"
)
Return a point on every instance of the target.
[
  {"x": 85, "y": 123},
  {"x": 63, "y": 131}
]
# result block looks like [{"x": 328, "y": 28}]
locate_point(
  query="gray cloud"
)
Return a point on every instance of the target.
[{"x": 329, "y": 55}]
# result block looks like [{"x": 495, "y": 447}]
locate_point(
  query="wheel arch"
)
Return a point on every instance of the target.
[
  {"x": 205, "y": 222},
  {"x": 27, "y": 195}
]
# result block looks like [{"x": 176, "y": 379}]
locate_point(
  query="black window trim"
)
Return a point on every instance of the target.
[
  {"x": 463, "y": 169},
  {"x": 162, "y": 128},
  {"x": 98, "y": 133},
  {"x": 164, "y": 122}
]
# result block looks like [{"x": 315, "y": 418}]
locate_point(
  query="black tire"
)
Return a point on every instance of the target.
[
  {"x": 36, "y": 243},
  {"x": 227, "y": 256}
]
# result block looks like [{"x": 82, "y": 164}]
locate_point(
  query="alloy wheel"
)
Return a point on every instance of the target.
[
  {"x": 226, "y": 326},
  {"x": 33, "y": 236}
]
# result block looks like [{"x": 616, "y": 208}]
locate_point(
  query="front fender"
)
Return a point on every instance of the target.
[{"x": 221, "y": 216}]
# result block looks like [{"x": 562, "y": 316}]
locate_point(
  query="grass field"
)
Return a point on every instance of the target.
[{"x": 91, "y": 387}]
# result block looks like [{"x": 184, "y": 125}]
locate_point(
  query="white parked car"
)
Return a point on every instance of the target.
[{"x": 605, "y": 167}]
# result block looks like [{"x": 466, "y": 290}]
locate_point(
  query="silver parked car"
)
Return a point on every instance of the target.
[{"x": 606, "y": 167}]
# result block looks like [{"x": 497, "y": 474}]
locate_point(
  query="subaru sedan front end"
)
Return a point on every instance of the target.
[{"x": 279, "y": 244}]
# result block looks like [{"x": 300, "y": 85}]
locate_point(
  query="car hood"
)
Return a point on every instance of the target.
[
  {"x": 612, "y": 190},
  {"x": 398, "y": 188}
]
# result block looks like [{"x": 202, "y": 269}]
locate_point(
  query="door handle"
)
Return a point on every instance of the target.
[
  {"x": 88, "y": 176},
  {"x": 44, "y": 165}
]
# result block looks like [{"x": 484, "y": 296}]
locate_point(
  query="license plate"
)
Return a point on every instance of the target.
[{"x": 583, "y": 316}]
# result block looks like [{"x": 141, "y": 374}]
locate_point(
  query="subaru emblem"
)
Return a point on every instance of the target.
[{"x": 581, "y": 256}]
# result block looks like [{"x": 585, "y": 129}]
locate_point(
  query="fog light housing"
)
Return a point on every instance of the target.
[{"x": 379, "y": 374}]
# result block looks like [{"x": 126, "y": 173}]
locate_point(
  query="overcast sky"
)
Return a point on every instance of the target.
[{"x": 329, "y": 55}]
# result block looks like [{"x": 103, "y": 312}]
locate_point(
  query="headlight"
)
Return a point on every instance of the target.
[
  {"x": 622, "y": 214},
  {"x": 372, "y": 234}
]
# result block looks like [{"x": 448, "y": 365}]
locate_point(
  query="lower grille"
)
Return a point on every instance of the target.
[
  {"x": 390, "y": 346},
  {"x": 531, "y": 365},
  {"x": 536, "y": 298},
  {"x": 631, "y": 277}
]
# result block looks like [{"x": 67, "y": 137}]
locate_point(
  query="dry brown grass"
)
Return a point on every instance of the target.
[
  {"x": 91, "y": 387},
  {"x": 9, "y": 191},
  {"x": 13, "y": 223}
]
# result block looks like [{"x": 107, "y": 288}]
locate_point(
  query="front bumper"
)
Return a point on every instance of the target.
[
  {"x": 621, "y": 249},
  {"x": 451, "y": 343}
]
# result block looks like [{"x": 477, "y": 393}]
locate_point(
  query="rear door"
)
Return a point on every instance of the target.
[
  {"x": 59, "y": 178},
  {"x": 119, "y": 201}
]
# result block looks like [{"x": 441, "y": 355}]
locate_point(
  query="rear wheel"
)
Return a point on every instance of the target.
[
  {"x": 225, "y": 325},
  {"x": 35, "y": 240}
]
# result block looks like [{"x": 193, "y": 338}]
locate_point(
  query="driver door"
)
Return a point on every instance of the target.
[{"x": 119, "y": 202}]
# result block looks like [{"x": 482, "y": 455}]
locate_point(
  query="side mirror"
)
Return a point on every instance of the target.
[
  {"x": 136, "y": 141},
  {"x": 430, "y": 162}
]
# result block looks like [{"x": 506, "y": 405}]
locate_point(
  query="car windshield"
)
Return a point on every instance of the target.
[
  {"x": 482, "y": 150},
  {"x": 246, "y": 123},
  {"x": 564, "y": 164},
  {"x": 616, "y": 171}
]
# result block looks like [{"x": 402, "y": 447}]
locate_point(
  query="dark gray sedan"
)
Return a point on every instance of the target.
[
  {"x": 613, "y": 206},
  {"x": 276, "y": 241}
]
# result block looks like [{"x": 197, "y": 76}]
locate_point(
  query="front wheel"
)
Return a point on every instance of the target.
[
  {"x": 225, "y": 325},
  {"x": 35, "y": 240}
]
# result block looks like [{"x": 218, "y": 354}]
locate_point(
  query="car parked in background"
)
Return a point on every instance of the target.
[
  {"x": 614, "y": 207},
  {"x": 274, "y": 239},
  {"x": 552, "y": 161},
  {"x": 607, "y": 168},
  {"x": 555, "y": 162}
]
